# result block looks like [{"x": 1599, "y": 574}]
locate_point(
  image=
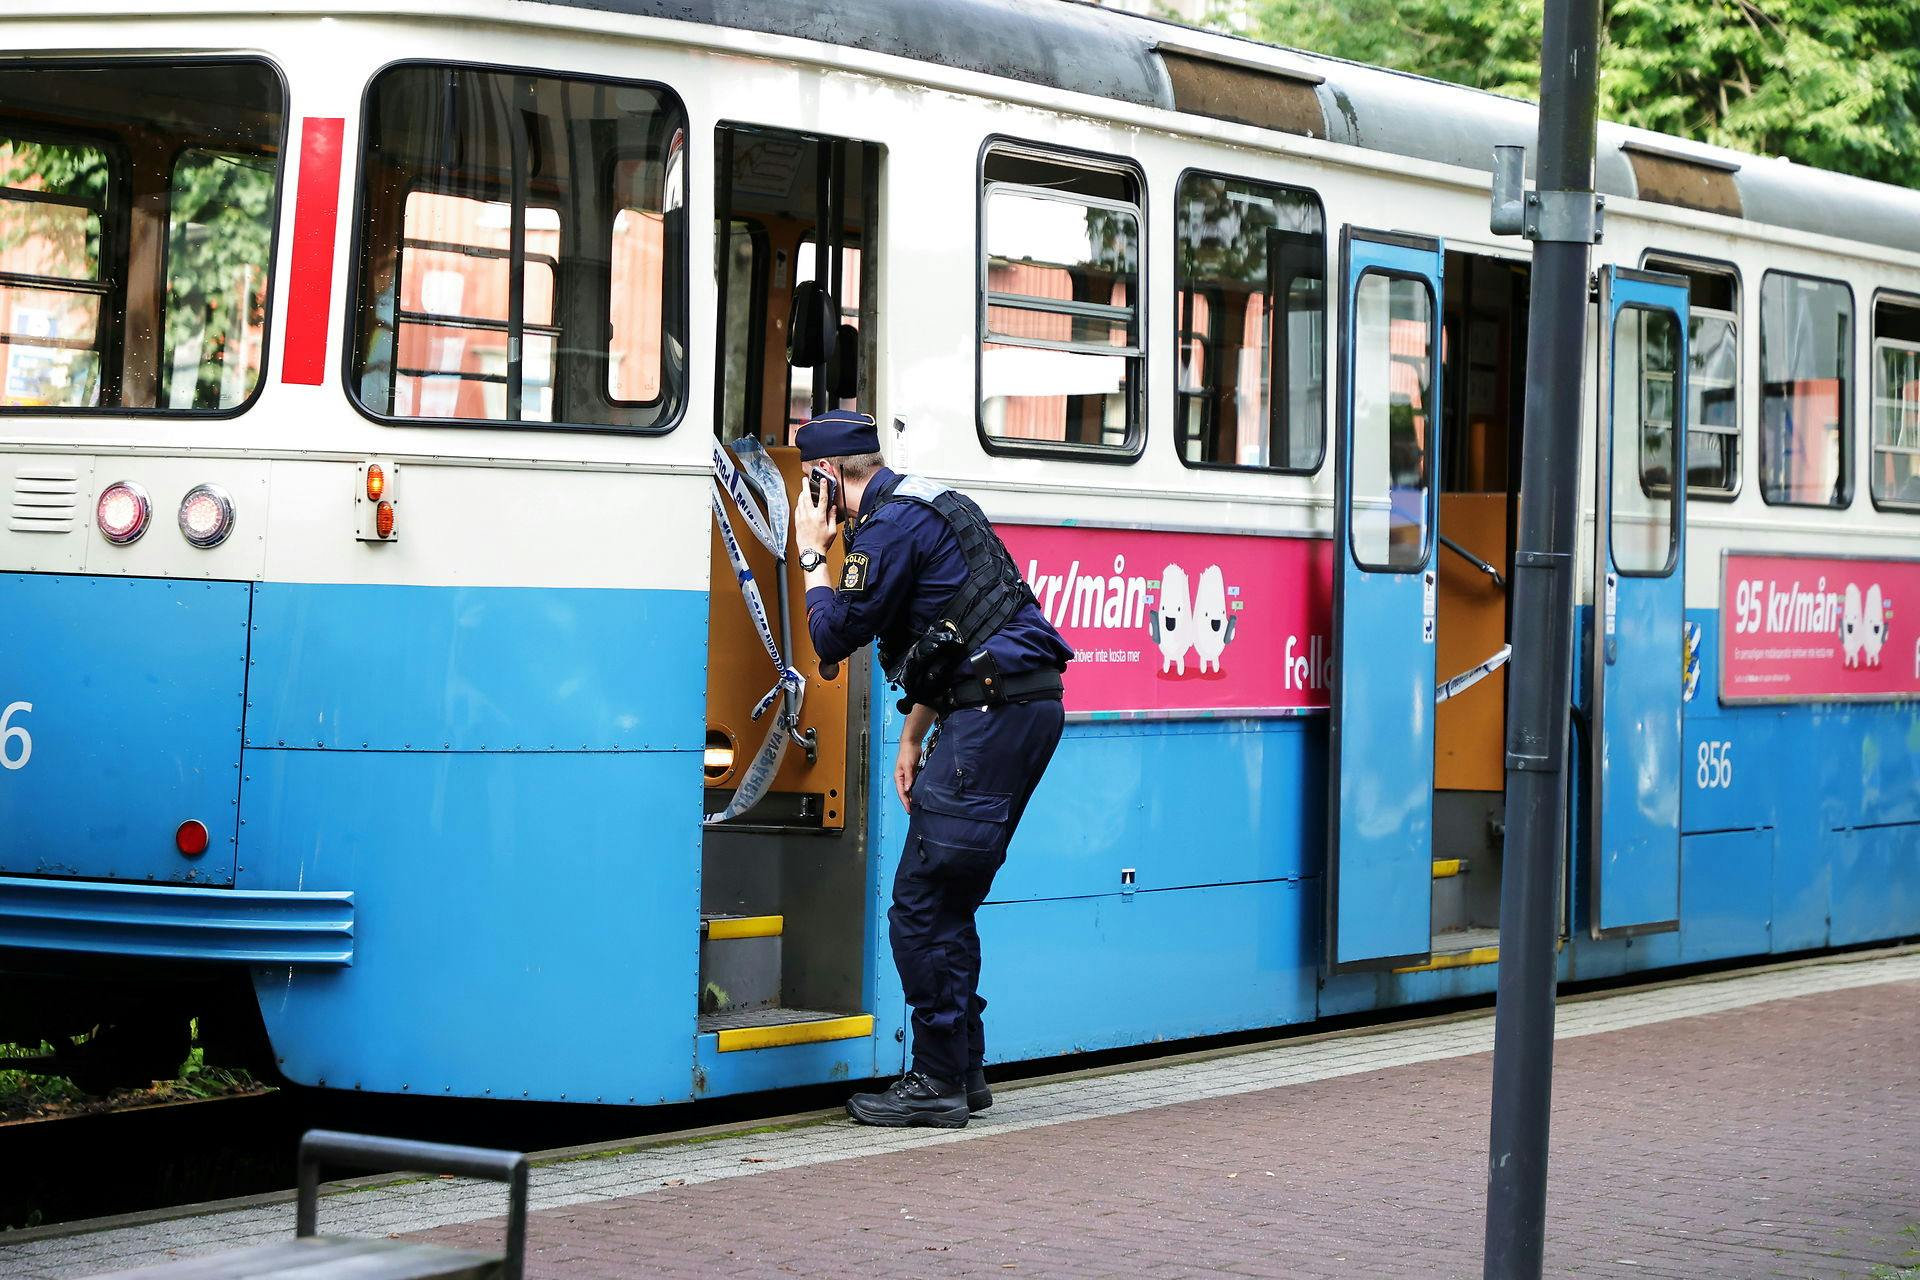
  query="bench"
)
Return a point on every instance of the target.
[{"x": 310, "y": 1255}]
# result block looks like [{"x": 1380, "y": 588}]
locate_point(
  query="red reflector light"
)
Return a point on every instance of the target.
[
  {"x": 383, "y": 519},
  {"x": 191, "y": 838},
  {"x": 122, "y": 511},
  {"x": 376, "y": 481}
]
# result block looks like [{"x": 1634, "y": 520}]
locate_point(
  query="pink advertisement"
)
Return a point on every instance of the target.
[
  {"x": 1812, "y": 629},
  {"x": 1184, "y": 622}
]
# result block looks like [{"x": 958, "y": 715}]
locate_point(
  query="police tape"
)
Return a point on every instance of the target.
[
  {"x": 736, "y": 486},
  {"x": 761, "y": 478},
  {"x": 749, "y": 588}
]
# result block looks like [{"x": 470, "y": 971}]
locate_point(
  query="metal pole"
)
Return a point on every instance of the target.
[{"x": 1542, "y": 676}]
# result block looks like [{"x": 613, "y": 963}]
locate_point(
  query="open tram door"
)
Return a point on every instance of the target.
[
  {"x": 1379, "y": 863},
  {"x": 1637, "y": 649},
  {"x": 784, "y": 907}
]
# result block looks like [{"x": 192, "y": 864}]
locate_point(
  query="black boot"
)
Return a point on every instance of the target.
[
  {"x": 979, "y": 1097},
  {"x": 914, "y": 1100}
]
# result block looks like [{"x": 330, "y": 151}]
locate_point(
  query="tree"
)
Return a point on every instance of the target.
[{"x": 1832, "y": 83}]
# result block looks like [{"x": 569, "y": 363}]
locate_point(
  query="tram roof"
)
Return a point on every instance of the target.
[{"x": 1079, "y": 48}]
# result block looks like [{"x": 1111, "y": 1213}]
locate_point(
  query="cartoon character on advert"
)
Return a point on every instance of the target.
[
  {"x": 1213, "y": 625},
  {"x": 1863, "y": 626},
  {"x": 1172, "y": 627},
  {"x": 1876, "y": 626}
]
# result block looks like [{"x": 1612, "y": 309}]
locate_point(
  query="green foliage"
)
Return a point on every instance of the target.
[{"x": 1833, "y": 83}]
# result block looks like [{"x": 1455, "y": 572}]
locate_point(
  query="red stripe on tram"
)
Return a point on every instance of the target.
[{"x": 315, "y": 217}]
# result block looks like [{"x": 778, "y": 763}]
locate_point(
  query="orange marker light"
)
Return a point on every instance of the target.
[
  {"x": 376, "y": 482},
  {"x": 383, "y": 520}
]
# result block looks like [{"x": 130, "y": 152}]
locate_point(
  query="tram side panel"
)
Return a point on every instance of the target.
[{"x": 507, "y": 780}]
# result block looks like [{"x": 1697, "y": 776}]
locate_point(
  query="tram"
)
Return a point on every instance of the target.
[{"x": 396, "y": 428}]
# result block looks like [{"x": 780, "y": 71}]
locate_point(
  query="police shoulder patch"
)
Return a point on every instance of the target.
[{"x": 853, "y": 576}]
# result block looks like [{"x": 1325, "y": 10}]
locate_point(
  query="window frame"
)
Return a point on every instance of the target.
[
  {"x": 760, "y": 271},
  {"x": 1849, "y": 410},
  {"x": 114, "y": 227},
  {"x": 1911, "y": 301},
  {"x": 1326, "y": 323},
  {"x": 1676, "y": 504},
  {"x": 1138, "y": 396},
  {"x": 1349, "y": 357},
  {"x": 1673, "y": 263},
  {"x": 670, "y": 315}
]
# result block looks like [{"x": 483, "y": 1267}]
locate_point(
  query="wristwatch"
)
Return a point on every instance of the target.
[{"x": 811, "y": 560}]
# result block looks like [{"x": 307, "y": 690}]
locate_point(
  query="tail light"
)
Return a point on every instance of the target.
[
  {"x": 206, "y": 515},
  {"x": 122, "y": 512}
]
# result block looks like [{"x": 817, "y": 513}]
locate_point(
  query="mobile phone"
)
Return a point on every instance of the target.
[{"x": 817, "y": 480}]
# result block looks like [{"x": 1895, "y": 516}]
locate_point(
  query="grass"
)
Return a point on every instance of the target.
[{"x": 30, "y": 1095}]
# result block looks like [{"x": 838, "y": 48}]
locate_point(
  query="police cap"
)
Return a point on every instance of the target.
[{"x": 838, "y": 433}]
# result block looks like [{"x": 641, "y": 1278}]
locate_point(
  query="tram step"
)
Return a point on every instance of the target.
[
  {"x": 775, "y": 1028},
  {"x": 1458, "y": 948},
  {"x": 1447, "y": 868},
  {"x": 739, "y": 962}
]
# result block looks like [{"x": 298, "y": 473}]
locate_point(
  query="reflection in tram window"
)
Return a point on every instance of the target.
[
  {"x": 1895, "y": 465},
  {"x": 1060, "y": 351},
  {"x": 507, "y": 279},
  {"x": 219, "y": 239},
  {"x": 88, "y": 318},
  {"x": 1251, "y": 389},
  {"x": 1713, "y": 385},
  {"x": 1806, "y": 367},
  {"x": 800, "y": 379},
  {"x": 1392, "y": 421},
  {"x": 1645, "y": 363}
]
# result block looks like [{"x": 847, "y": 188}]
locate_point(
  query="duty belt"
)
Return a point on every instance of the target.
[{"x": 991, "y": 690}]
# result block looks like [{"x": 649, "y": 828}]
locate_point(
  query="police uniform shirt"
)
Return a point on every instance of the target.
[{"x": 902, "y": 566}]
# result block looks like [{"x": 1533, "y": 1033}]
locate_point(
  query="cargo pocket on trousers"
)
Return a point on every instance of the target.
[{"x": 960, "y": 833}]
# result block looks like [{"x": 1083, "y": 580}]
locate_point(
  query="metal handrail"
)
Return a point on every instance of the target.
[
  {"x": 1474, "y": 560},
  {"x": 361, "y": 1151}
]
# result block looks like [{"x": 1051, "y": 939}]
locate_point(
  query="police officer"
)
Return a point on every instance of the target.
[{"x": 959, "y": 631}]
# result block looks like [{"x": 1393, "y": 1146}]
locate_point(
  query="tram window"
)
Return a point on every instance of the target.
[
  {"x": 743, "y": 287},
  {"x": 521, "y": 251},
  {"x": 1060, "y": 346},
  {"x": 1806, "y": 369},
  {"x": 219, "y": 246},
  {"x": 1713, "y": 385},
  {"x": 136, "y": 232},
  {"x": 1895, "y": 462},
  {"x": 1251, "y": 382},
  {"x": 1645, "y": 363},
  {"x": 1393, "y": 352}
]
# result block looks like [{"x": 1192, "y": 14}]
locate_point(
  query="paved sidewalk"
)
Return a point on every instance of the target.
[{"x": 1758, "y": 1125}]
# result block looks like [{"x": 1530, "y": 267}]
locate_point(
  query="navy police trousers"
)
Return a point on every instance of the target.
[{"x": 966, "y": 803}]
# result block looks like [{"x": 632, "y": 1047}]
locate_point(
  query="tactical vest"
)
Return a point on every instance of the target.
[{"x": 994, "y": 590}]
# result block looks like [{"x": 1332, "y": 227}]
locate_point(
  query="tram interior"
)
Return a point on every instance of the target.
[
  {"x": 1484, "y": 330},
  {"x": 783, "y": 882}
]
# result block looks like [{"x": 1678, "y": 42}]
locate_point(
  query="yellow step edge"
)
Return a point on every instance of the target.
[
  {"x": 1456, "y": 960},
  {"x": 855, "y": 1027},
  {"x": 745, "y": 927},
  {"x": 1446, "y": 867}
]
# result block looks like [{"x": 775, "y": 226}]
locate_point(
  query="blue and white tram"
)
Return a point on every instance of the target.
[{"x": 373, "y": 665}]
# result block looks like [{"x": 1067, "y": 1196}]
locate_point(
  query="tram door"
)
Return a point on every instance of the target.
[
  {"x": 783, "y": 887},
  {"x": 1379, "y": 866},
  {"x": 1637, "y": 642}
]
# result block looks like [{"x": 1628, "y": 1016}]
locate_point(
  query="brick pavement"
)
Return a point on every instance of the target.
[
  {"x": 1780, "y": 1139},
  {"x": 1749, "y": 1124}
]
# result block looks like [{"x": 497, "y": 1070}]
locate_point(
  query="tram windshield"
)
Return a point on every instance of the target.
[{"x": 136, "y": 233}]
